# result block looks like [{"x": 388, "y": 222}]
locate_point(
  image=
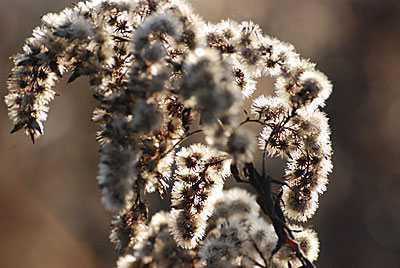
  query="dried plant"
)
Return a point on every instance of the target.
[{"x": 161, "y": 74}]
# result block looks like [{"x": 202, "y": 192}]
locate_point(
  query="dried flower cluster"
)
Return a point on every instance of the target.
[
  {"x": 236, "y": 236},
  {"x": 161, "y": 74}
]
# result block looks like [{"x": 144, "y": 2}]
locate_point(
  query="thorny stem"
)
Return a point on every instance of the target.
[
  {"x": 260, "y": 253},
  {"x": 180, "y": 141},
  {"x": 256, "y": 262},
  {"x": 251, "y": 120},
  {"x": 274, "y": 132}
]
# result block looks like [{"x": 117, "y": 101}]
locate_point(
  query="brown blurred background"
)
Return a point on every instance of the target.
[{"x": 50, "y": 209}]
